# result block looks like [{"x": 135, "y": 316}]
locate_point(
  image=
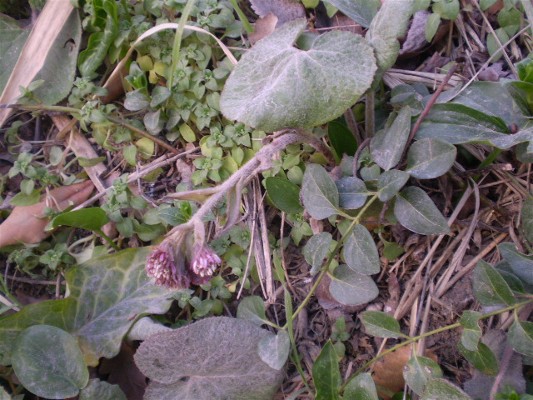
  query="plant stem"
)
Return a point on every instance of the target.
[
  {"x": 245, "y": 23},
  {"x": 427, "y": 334},
  {"x": 325, "y": 265},
  {"x": 177, "y": 41}
]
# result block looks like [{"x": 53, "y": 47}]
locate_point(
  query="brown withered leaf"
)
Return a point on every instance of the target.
[{"x": 264, "y": 26}]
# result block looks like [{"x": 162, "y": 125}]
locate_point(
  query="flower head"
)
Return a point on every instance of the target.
[
  {"x": 161, "y": 265},
  {"x": 204, "y": 263}
]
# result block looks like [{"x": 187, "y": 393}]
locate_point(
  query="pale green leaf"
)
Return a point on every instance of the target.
[
  {"x": 390, "y": 182},
  {"x": 274, "y": 350},
  {"x": 97, "y": 389},
  {"x": 471, "y": 330},
  {"x": 316, "y": 249},
  {"x": 521, "y": 265},
  {"x": 319, "y": 193},
  {"x": 362, "y": 387},
  {"x": 415, "y": 210},
  {"x": 388, "y": 145},
  {"x": 430, "y": 158},
  {"x": 419, "y": 371},
  {"x": 380, "y": 324},
  {"x": 361, "y": 11},
  {"x": 326, "y": 374},
  {"x": 275, "y": 85},
  {"x": 360, "y": 252},
  {"x": 482, "y": 358},
  {"x": 252, "y": 309},
  {"x": 213, "y": 358},
  {"x": 350, "y": 288},
  {"x": 187, "y": 133},
  {"x": 352, "y": 192},
  {"x": 447, "y": 9},
  {"x": 432, "y": 25},
  {"x": 521, "y": 337},
  {"x": 439, "y": 389},
  {"x": 49, "y": 363},
  {"x": 489, "y": 286},
  {"x": 12, "y": 39}
]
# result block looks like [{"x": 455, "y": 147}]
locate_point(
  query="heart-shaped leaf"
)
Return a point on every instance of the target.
[
  {"x": 350, "y": 288},
  {"x": 276, "y": 86},
  {"x": 49, "y": 362},
  {"x": 430, "y": 158},
  {"x": 415, "y": 210},
  {"x": 252, "y": 309},
  {"x": 213, "y": 358},
  {"x": 274, "y": 350},
  {"x": 319, "y": 193},
  {"x": 360, "y": 252}
]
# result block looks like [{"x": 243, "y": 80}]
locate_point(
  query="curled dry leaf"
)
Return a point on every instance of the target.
[
  {"x": 26, "y": 224},
  {"x": 264, "y": 26}
]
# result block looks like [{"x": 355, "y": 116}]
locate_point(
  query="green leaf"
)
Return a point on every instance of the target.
[
  {"x": 380, "y": 324},
  {"x": 447, "y": 9},
  {"x": 350, "y": 288},
  {"x": 187, "y": 133},
  {"x": 432, "y": 25},
  {"x": 252, "y": 309},
  {"x": 521, "y": 337},
  {"x": 430, "y": 158},
  {"x": 415, "y": 211},
  {"x": 360, "y": 252},
  {"x": 91, "y": 219},
  {"x": 526, "y": 218},
  {"x": 22, "y": 199},
  {"x": 326, "y": 374},
  {"x": 352, "y": 192},
  {"x": 274, "y": 350},
  {"x": 361, "y": 11},
  {"x": 493, "y": 46},
  {"x": 12, "y": 39},
  {"x": 439, "y": 389},
  {"x": 471, "y": 330},
  {"x": 489, "y": 286},
  {"x": 362, "y": 387},
  {"x": 521, "y": 265},
  {"x": 214, "y": 358},
  {"x": 341, "y": 138},
  {"x": 390, "y": 182},
  {"x": 159, "y": 95},
  {"x": 486, "y": 4},
  {"x": 99, "y": 42},
  {"x": 483, "y": 359},
  {"x": 101, "y": 390},
  {"x": 284, "y": 194},
  {"x": 419, "y": 371},
  {"x": 316, "y": 249},
  {"x": 136, "y": 100},
  {"x": 49, "y": 363},
  {"x": 319, "y": 193},
  {"x": 27, "y": 186},
  {"x": 388, "y": 145},
  {"x": 383, "y": 35},
  {"x": 276, "y": 86},
  {"x": 90, "y": 162}
]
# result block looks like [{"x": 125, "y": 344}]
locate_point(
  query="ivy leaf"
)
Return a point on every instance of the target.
[
  {"x": 284, "y": 194},
  {"x": 326, "y": 374},
  {"x": 521, "y": 265},
  {"x": 276, "y": 86},
  {"x": 319, "y": 192},
  {"x": 316, "y": 249},
  {"x": 483, "y": 359},
  {"x": 361, "y": 11},
  {"x": 471, "y": 330},
  {"x": 489, "y": 286},
  {"x": 350, "y": 288},
  {"x": 49, "y": 363},
  {"x": 362, "y": 387},
  {"x": 274, "y": 350},
  {"x": 252, "y": 309},
  {"x": 521, "y": 337},
  {"x": 388, "y": 145},
  {"x": 360, "y": 252},
  {"x": 438, "y": 389},
  {"x": 390, "y": 182},
  {"x": 210, "y": 359},
  {"x": 352, "y": 192},
  {"x": 419, "y": 371},
  {"x": 380, "y": 324},
  {"x": 415, "y": 210},
  {"x": 430, "y": 158}
]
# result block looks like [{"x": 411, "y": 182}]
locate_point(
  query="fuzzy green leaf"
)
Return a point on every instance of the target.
[
  {"x": 326, "y": 374},
  {"x": 489, "y": 286},
  {"x": 49, "y": 363},
  {"x": 352, "y": 192},
  {"x": 274, "y": 350},
  {"x": 521, "y": 265},
  {"x": 350, "y": 288},
  {"x": 521, "y": 337},
  {"x": 319, "y": 193},
  {"x": 360, "y": 252},
  {"x": 252, "y": 308},
  {"x": 439, "y": 389},
  {"x": 419, "y": 371},
  {"x": 430, "y": 158},
  {"x": 415, "y": 210},
  {"x": 276, "y": 86},
  {"x": 362, "y": 387},
  {"x": 380, "y": 324},
  {"x": 390, "y": 182},
  {"x": 471, "y": 330},
  {"x": 316, "y": 249},
  {"x": 101, "y": 390},
  {"x": 483, "y": 359}
]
